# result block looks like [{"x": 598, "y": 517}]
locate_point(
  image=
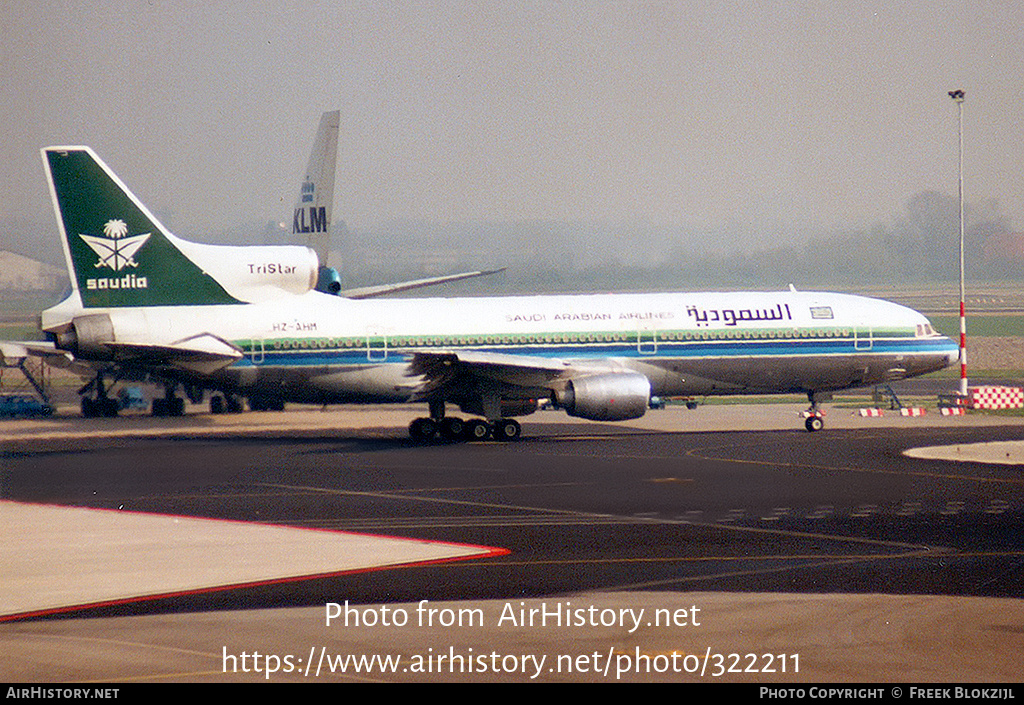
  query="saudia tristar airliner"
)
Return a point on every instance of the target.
[{"x": 250, "y": 322}]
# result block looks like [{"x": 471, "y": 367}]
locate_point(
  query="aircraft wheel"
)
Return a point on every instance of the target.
[
  {"x": 159, "y": 407},
  {"x": 88, "y": 408},
  {"x": 814, "y": 423},
  {"x": 265, "y": 403},
  {"x": 423, "y": 430},
  {"x": 477, "y": 430},
  {"x": 507, "y": 430},
  {"x": 453, "y": 428},
  {"x": 216, "y": 404},
  {"x": 107, "y": 407}
]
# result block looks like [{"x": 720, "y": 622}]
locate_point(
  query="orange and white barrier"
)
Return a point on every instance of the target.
[{"x": 912, "y": 411}]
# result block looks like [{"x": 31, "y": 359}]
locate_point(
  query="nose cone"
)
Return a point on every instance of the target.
[
  {"x": 945, "y": 352},
  {"x": 953, "y": 356},
  {"x": 937, "y": 352}
]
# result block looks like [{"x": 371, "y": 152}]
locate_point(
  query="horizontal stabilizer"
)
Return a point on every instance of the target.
[
  {"x": 13, "y": 353},
  {"x": 204, "y": 353},
  {"x": 369, "y": 292}
]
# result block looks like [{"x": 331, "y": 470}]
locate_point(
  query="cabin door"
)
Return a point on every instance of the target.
[
  {"x": 863, "y": 338},
  {"x": 376, "y": 345},
  {"x": 647, "y": 341},
  {"x": 257, "y": 353}
]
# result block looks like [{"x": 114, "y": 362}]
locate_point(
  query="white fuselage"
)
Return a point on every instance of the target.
[{"x": 317, "y": 347}]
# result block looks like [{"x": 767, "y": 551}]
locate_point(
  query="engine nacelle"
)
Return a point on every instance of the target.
[
  {"x": 87, "y": 336},
  {"x": 328, "y": 281},
  {"x": 613, "y": 396},
  {"x": 255, "y": 272}
]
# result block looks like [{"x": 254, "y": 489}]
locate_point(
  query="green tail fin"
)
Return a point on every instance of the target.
[{"x": 118, "y": 253}]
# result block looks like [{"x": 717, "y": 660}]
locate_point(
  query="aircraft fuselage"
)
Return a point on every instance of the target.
[{"x": 316, "y": 347}]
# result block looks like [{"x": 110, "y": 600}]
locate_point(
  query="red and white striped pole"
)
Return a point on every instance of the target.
[
  {"x": 958, "y": 98},
  {"x": 963, "y": 349}
]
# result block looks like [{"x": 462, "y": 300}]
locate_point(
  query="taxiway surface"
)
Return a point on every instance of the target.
[{"x": 788, "y": 543}]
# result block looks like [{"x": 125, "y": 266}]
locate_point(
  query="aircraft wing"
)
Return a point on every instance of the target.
[
  {"x": 464, "y": 373},
  {"x": 368, "y": 292}
]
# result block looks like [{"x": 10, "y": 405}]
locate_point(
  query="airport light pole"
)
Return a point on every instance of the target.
[{"x": 958, "y": 98}]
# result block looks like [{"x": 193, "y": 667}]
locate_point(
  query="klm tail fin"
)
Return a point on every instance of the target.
[
  {"x": 118, "y": 253},
  {"x": 312, "y": 214}
]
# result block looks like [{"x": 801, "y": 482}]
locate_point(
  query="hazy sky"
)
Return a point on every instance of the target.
[{"x": 709, "y": 112}]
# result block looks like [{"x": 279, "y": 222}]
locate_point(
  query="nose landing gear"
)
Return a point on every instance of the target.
[
  {"x": 814, "y": 423},
  {"x": 814, "y": 417}
]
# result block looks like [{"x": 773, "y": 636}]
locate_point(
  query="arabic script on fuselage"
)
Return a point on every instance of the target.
[{"x": 733, "y": 317}]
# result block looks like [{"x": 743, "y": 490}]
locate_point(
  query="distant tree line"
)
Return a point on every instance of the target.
[{"x": 921, "y": 245}]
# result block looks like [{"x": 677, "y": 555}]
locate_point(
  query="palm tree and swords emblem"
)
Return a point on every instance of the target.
[{"x": 115, "y": 250}]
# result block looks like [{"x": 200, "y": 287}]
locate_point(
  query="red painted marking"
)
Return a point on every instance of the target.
[{"x": 488, "y": 552}]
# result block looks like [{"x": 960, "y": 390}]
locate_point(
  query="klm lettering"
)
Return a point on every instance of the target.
[{"x": 316, "y": 223}]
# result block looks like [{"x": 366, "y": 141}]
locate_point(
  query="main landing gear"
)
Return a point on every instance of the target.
[
  {"x": 170, "y": 404},
  {"x": 100, "y": 404},
  {"x": 455, "y": 430},
  {"x": 225, "y": 404}
]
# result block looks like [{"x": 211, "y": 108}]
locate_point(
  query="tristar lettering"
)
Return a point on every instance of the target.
[
  {"x": 271, "y": 268},
  {"x": 317, "y": 220}
]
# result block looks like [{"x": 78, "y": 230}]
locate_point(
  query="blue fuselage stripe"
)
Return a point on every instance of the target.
[{"x": 659, "y": 351}]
